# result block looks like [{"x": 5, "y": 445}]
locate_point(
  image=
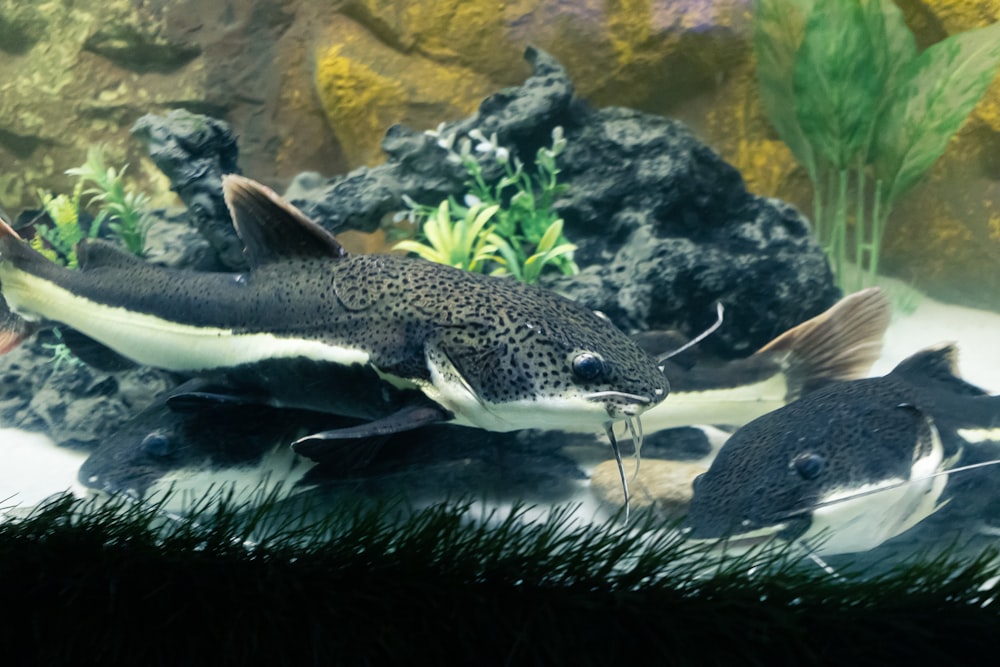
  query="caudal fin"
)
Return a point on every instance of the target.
[
  {"x": 841, "y": 343},
  {"x": 13, "y": 328}
]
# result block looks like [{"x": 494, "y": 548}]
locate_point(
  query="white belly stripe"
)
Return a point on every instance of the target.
[{"x": 154, "y": 341}]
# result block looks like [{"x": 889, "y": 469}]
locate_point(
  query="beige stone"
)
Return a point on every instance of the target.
[{"x": 663, "y": 484}]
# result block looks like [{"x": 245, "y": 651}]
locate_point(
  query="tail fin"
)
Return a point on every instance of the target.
[
  {"x": 841, "y": 343},
  {"x": 13, "y": 327}
]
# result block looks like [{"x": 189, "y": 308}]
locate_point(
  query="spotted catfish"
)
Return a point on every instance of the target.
[
  {"x": 851, "y": 465},
  {"x": 400, "y": 342}
]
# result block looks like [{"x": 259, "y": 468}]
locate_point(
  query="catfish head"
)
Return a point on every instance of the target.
[
  {"x": 541, "y": 362},
  {"x": 841, "y": 470}
]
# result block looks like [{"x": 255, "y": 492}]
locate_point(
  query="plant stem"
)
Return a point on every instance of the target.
[
  {"x": 839, "y": 231},
  {"x": 817, "y": 207},
  {"x": 859, "y": 224},
  {"x": 879, "y": 218}
]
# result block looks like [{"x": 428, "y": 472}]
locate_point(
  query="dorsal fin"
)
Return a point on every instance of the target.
[
  {"x": 95, "y": 253},
  {"x": 272, "y": 229},
  {"x": 938, "y": 365},
  {"x": 840, "y": 343}
]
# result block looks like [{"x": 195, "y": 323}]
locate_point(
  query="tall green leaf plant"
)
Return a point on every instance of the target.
[{"x": 863, "y": 111}]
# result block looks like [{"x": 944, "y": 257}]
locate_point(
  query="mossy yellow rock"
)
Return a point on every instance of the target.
[
  {"x": 432, "y": 61},
  {"x": 365, "y": 87}
]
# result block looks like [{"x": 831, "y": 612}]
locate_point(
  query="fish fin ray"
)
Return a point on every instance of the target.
[
  {"x": 271, "y": 228},
  {"x": 14, "y": 329},
  {"x": 94, "y": 354},
  {"x": 6, "y": 231},
  {"x": 937, "y": 365},
  {"x": 210, "y": 397},
  {"x": 409, "y": 417},
  {"x": 841, "y": 343},
  {"x": 354, "y": 455}
]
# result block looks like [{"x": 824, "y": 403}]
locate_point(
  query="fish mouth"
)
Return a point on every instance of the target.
[{"x": 620, "y": 404}]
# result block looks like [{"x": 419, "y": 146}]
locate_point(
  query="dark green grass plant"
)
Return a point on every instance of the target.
[
  {"x": 272, "y": 583},
  {"x": 862, "y": 110}
]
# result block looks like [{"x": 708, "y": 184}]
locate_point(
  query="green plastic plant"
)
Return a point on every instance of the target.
[
  {"x": 61, "y": 352},
  {"x": 123, "y": 209},
  {"x": 524, "y": 234},
  {"x": 548, "y": 250},
  {"x": 58, "y": 242},
  {"x": 845, "y": 88},
  {"x": 127, "y": 221},
  {"x": 455, "y": 238}
]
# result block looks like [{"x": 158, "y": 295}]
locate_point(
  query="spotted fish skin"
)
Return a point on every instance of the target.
[
  {"x": 856, "y": 459},
  {"x": 490, "y": 352}
]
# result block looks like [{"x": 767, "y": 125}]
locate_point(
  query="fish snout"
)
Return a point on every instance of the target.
[{"x": 622, "y": 404}]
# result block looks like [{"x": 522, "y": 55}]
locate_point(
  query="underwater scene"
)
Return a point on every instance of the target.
[{"x": 686, "y": 300}]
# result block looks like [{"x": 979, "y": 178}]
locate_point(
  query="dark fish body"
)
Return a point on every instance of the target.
[
  {"x": 850, "y": 465},
  {"x": 178, "y": 458},
  {"x": 396, "y": 342},
  {"x": 364, "y": 336},
  {"x": 190, "y": 453},
  {"x": 190, "y": 450}
]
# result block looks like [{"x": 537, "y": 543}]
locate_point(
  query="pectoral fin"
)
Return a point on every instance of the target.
[
  {"x": 316, "y": 445},
  {"x": 208, "y": 396},
  {"x": 94, "y": 354}
]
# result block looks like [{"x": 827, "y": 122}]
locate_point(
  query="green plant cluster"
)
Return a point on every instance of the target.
[
  {"x": 58, "y": 242},
  {"x": 504, "y": 228},
  {"x": 124, "y": 211},
  {"x": 127, "y": 221},
  {"x": 861, "y": 109}
]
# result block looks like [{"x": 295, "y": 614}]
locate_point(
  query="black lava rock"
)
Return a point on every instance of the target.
[
  {"x": 664, "y": 227},
  {"x": 194, "y": 151}
]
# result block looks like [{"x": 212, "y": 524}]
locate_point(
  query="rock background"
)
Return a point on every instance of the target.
[
  {"x": 312, "y": 85},
  {"x": 658, "y": 248}
]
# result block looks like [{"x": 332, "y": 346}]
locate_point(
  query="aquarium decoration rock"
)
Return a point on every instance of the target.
[
  {"x": 194, "y": 151},
  {"x": 74, "y": 404},
  {"x": 282, "y": 70},
  {"x": 664, "y": 226}
]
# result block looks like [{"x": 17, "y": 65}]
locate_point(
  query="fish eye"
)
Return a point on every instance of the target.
[
  {"x": 588, "y": 366},
  {"x": 808, "y": 466},
  {"x": 157, "y": 444}
]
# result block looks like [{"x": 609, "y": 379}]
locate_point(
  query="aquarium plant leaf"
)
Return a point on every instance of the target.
[
  {"x": 898, "y": 39},
  {"x": 778, "y": 29},
  {"x": 438, "y": 231},
  {"x": 938, "y": 89},
  {"x": 839, "y": 76},
  {"x": 893, "y": 48}
]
